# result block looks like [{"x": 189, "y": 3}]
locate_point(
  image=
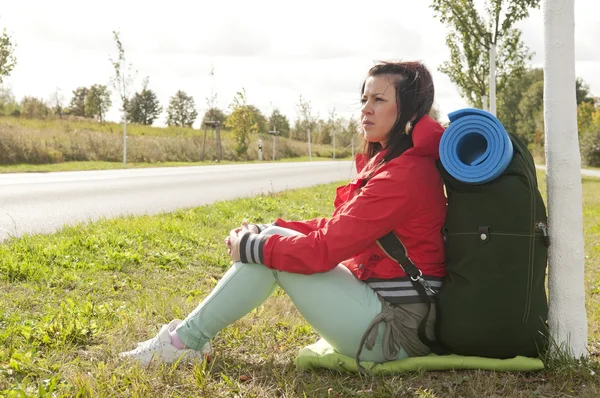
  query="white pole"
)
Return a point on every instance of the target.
[
  {"x": 260, "y": 150},
  {"x": 493, "y": 79},
  {"x": 333, "y": 133},
  {"x": 309, "y": 151},
  {"x": 567, "y": 317},
  {"x": 125, "y": 139},
  {"x": 485, "y": 102}
]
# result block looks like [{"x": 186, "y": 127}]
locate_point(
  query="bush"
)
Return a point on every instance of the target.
[
  {"x": 34, "y": 108},
  {"x": 590, "y": 149}
]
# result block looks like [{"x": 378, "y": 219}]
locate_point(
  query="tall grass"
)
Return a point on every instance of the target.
[{"x": 56, "y": 141}]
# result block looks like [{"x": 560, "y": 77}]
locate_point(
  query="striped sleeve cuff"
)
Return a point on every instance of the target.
[
  {"x": 262, "y": 227},
  {"x": 251, "y": 248}
]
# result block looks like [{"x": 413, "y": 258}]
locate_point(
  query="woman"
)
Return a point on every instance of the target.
[{"x": 332, "y": 269}]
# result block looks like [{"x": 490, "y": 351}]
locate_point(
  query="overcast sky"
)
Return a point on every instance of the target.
[{"x": 276, "y": 50}]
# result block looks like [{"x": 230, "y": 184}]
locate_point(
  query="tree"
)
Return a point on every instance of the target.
[
  {"x": 471, "y": 38},
  {"x": 509, "y": 100},
  {"x": 144, "y": 107},
  {"x": 7, "y": 56},
  {"x": 521, "y": 107},
  {"x": 261, "y": 120},
  {"x": 56, "y": 103},
  {"x": 350, "y": 130},
  {"x": 243, "y": 121},
  {"x": 530, "y": 125},
  {"x": 307, "y": 120},
  {"x": 182, "y": 110},
  {"x": 279, "y": 122},
  {"x": 214, "y": 114},
  {"x": 329, "y": 130},
  {"x": 8, "y": 105},
  {"x": 582, "y": 92},
  {"x": 122, "y": 81},
  {"x": 567, "y": 318},
  {"x": 97, "y": 102},
  {"x": 77, "y": 104},
  {"x": 585, "y": 117},
  {"x": 34, "y": 108}
]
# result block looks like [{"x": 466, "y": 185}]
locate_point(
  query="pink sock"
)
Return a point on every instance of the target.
[{"x": 176, "y": 341}]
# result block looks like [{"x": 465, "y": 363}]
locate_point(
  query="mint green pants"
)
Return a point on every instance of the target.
[{"x": 337, "y": 305}]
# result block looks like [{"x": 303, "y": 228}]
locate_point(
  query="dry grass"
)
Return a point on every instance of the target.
[{"x": 24, "y": 141}]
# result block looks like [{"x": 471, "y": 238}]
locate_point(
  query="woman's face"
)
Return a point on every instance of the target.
[{"x": 379, "y": 109}]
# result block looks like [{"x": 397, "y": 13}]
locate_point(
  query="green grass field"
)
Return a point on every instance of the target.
[{"x": 70, "y": 301}]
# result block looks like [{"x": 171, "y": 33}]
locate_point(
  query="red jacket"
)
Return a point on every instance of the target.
[{"x": 405, "y": 195}]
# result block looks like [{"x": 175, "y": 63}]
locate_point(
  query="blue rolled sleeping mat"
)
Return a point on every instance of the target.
[{"x": 475, "y": 148}]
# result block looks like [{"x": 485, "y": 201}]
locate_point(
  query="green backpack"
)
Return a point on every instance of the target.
[{"x": 493, "y": 300}]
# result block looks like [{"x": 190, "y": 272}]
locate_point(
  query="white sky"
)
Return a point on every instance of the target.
[{"x": 276, "y": 50}]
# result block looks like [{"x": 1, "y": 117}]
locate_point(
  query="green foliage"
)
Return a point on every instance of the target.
[
  {"x": 123, "y": 78},
  {"x": 97, "y": 102},
  {"x": 8, "y": 105},
  {"x": 215, "y": 115},
  {"x": 471, "y": 37},
  {"x": 144, "y": 108},
  {"x": 182, "y": 110},
  {"x": 590, "y": 148},
  {"x": 521, "y": 105},
  {"x": 77, "y": 104},
  {"x": 582, "y": 92},
  {"x": 8, "y": 60},
  {"x": 244, "y": 121},
  {"x": 279, "y": 122},
  {"x": 585, "y": 117},
  {"x": 327, "y": 129},
  {"x": 509, "y": 110},
  {"x": 34, "y": 108},
  {"x": 531, "y": 109},
  {"x": 261, "y": 120},
  {"x": 588, "y": 122},
  {"x": 306, "y": 123},
  {"x": 350, "y": 131}
]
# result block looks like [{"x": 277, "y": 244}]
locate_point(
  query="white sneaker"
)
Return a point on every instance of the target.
[{"x": 160, "y": 347}]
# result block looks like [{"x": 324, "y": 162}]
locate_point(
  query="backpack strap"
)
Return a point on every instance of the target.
[{"x": 395, "y": 249}]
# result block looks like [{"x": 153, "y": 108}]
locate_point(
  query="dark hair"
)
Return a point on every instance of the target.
[{"x": 414, "y": 99}]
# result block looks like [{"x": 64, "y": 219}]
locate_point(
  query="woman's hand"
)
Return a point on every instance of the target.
[{"x": 233, "y": 240}]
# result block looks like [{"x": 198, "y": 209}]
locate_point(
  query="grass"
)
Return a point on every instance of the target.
[
  {"x": 106, "y": 127},
  {"x": 70, "y": 301},
  {"x": 99, "y": 165},
  {"x": 51, "y": 141}
]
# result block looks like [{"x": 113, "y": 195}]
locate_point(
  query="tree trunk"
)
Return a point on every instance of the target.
[
  {"x": 567, "y": 317},
  {"x": 125, "y": 138},
  {"x": 309, "y": 148},
  {"x": 493, "y": 79}
]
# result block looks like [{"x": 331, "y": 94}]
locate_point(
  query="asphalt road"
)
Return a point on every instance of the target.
[{"x": 43, "y": 202}]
